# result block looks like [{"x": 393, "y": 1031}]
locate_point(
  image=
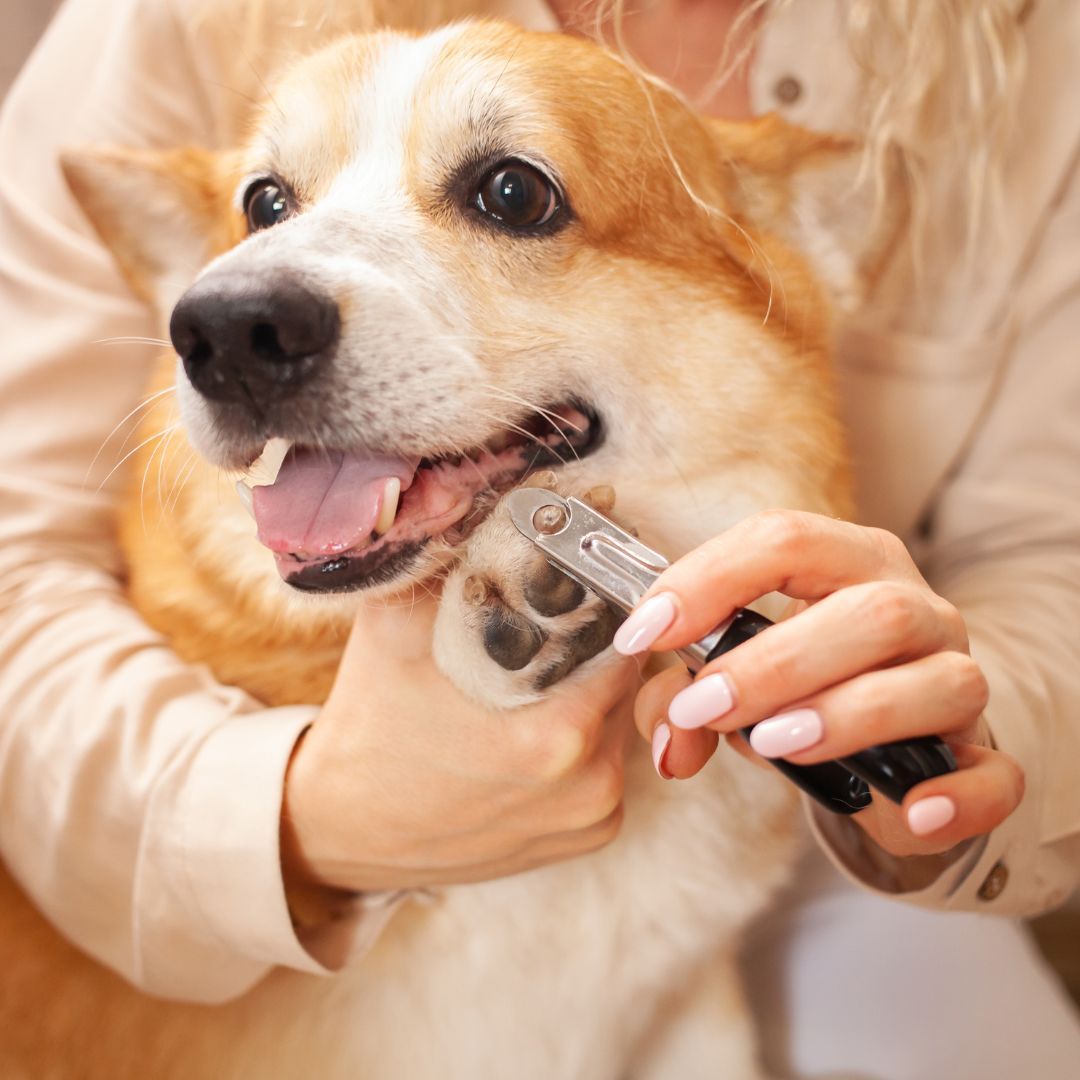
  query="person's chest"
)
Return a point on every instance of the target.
[{"x": 919, "y": 363}]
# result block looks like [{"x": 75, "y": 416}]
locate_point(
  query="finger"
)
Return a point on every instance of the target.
[
  {"x": 553, "y": 848},
  {"x": 558, "y": 846},
  {"x": 591, "y": 793},
  {"x": 802, "y": 555},
  {"x": 393, "y": 631},
  {"x": 653, "y": 699},
  {"x": 741, "y": 747},
  {"x": 941, "y": 694},
  {"x": 855, "y": 630},
  {"x": 678, "y": 755},
  {"x": 589, "y": 695},
  {"x": 940, "y": 813},
  {"x": 556, "y": 738}
]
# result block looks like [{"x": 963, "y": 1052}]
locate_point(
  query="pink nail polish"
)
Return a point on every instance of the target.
[
  {"x": 661, "y": 740},
  {"x": 645, "y": 624},
  {"x": 701, "y": 702},
  {"x": 930, "y": 814},
  {"x": 787, "y": 733}
]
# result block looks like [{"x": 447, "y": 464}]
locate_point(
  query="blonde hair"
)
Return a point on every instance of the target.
[{"x": 940, "y": 81}]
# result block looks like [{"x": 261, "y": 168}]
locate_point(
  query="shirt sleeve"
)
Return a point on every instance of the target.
[
  {"x": 1005, "y": 549},
  {"x": 139, "y": 799}
]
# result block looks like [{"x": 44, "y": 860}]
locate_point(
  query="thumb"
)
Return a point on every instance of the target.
[{"x": 398, "y": 629}]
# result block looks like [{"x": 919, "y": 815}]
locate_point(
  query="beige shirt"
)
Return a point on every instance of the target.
[{"x": 139, "y": 800}]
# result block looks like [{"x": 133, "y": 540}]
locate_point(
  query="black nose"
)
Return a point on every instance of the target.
[{"x": 253, "y": 339}]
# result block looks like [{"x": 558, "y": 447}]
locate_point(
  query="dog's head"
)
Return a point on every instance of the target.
[{"x": 441, "y": 262}]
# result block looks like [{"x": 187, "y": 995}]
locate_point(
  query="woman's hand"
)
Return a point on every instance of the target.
[
  {"x": 872, "y": 655},
  {"x": 403, "y": 782}
]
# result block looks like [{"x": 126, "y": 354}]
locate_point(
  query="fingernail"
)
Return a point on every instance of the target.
[
  {"x": 701, "y": 702},
  {"x": 645, "y": 624},
  {"x": 661, "y": 740},
  {"x": 787, "y": 733},
  {"x": 930, "y": 814}
]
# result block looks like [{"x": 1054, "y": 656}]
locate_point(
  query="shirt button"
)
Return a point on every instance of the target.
[
  {"x": 787, "y": 90},
  {"x": 995, "y": 882}
]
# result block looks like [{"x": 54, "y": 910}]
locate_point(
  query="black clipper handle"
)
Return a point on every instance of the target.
[{"x": 843, "y": 786}]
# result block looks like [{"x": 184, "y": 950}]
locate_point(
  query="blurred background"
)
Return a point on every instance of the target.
[{"x": 24, "y": 20}]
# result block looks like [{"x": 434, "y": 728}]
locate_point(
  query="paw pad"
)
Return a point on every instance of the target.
[
  {"x": 510, "y": 638},
  {"x": 550, "y": 592},
  {"x": 532, "y": 620}
]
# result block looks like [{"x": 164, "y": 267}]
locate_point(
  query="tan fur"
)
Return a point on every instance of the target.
[{"x": 728, "y": 331}]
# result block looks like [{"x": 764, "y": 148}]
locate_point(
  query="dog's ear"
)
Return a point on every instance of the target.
[
  {"x": 807, "y": 189},
  {"x": 163, "y": 214}
]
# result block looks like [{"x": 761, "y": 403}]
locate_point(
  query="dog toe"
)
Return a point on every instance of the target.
[
  {"x": 582, "y": 645},
  {"x": 510, "y": 639},
  {"x": 550, "y": 592}
]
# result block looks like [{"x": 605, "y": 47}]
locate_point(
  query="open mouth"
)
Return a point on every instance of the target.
[{"x": 340, "y": 520}]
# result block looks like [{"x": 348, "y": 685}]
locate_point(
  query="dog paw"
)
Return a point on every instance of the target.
[{"x": 511, "y": 625}]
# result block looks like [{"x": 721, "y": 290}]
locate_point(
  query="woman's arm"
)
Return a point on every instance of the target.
[
  {"x": 1002, "y": 566},
  {"x": 1005, "y": 548}
]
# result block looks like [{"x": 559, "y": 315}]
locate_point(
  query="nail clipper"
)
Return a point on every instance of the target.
[{"x": 606, "y": 559}]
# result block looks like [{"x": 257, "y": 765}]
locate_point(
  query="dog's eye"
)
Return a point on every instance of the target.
[
  {"x": 265, "y": 204},
  {"x": 517, "y": 195}
]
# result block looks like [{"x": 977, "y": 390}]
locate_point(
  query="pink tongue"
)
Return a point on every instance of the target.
[{"x": 325, "y": 503}]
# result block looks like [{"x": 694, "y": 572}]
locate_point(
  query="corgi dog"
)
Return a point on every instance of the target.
[{"x": 441, "y": 263}]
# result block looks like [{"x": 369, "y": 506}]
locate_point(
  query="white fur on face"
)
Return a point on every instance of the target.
[
  {"x": 409, "y": 374},
  {"x": 451, "y": 332},
  {"x": 401, "y": 359},
  {"x": 416, "y": 354}
]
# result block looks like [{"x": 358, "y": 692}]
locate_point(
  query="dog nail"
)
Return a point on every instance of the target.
[
  {"x": 661, "y": 740},
  {"x": 475, "y": 590},
  {"x": 702, "y": 702},
  {"x": 787, "y": 733},
  {"x": 645, "y": 624},
  {"x": 930, "y": 814},
  {"x": 545, "y": 478},
  {"x": 601, "y": 498}
]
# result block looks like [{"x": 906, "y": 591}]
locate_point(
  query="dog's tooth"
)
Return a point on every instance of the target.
[
  {"x": 264, "y": 470},
  {"x": 244, "y": 492},
  {"x": 388, "y": 510}
]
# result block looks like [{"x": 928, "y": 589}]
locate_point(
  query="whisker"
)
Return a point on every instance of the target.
[
  {"x": 266, "y": 90},
  {"x": 551, "y": 418},
  {"x": 233, "y": 90},
  {"x": 132, "y": 339},
  {"x": 160, "y": 471},
  {"x": 105, "y": 442},
  {"x": 146, "y": 472},
  {"x": 528, "y": 435},
  {"x": 180, "y": 472},
  {"x": 547, "y": 414},
  {"x": 187, "y": 471},
  {"x": 475, "y": 467},
  {"x": 136, "y": 449}
]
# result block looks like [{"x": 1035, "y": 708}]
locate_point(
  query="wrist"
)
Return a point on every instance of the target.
[{"x": 310, "y": 889}]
